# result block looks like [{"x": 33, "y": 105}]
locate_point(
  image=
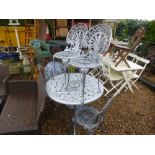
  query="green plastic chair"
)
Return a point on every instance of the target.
[{"x": 42, "y": 50}]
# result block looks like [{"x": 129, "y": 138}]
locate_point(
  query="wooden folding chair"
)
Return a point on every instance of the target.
[{"x": 122, "y": 51}]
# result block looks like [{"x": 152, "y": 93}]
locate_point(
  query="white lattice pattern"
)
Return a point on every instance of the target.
[{"x": 76, "y": 35}]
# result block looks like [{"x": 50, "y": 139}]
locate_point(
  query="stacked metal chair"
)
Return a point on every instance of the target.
[
  {"x": 104, "y": 73},
  {"x": 98, "y": 41},
  {"x": 76, "y": 41}
]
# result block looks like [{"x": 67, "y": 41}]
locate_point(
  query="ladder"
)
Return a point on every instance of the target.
[
  {"x": 31, "y": 30},
  {"x": 8, "y": 37}
]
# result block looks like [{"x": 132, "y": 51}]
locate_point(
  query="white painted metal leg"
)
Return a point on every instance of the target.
[
  {"x": 54, "y": 67},
  {"x": 127, "y": 79},
  {"x": 84, "y": 72}
]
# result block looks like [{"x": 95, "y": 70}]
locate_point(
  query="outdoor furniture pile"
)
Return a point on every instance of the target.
[
  {"x": 104, "y": 67},
  {"x": 88, "y": 50}
]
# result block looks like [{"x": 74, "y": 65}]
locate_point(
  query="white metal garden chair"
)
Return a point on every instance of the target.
[
  {"x": 76, "y": 40},
  {"x": 111, "y": 79},
  {"x": 106, "y": 30},
  {"x": 140, "y": 61},
  {"x": 51, "y": 70},
  {"x": 99, "y": 28},
  {"x": 76, "y": 36}
]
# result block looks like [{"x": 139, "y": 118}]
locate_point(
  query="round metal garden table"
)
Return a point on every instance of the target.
[{"x": 73, "y": 94}]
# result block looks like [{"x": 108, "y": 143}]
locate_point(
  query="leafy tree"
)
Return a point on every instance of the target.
[
  {"x": 150, "y": 35},
  {"x": 126, "y": 28}
]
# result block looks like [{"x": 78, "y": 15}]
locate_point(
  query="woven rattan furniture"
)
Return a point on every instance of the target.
[
  {"x": 4, "y": 77},
  {"x": 23, "y": 107},
  {"x": 41, "y": 49}
]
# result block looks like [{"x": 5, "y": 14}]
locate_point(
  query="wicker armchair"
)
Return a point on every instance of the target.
[
  {"x": 4, "y": 76},
  {"x": 23, "y": 107},
  {"x": 41, "y": 49}
]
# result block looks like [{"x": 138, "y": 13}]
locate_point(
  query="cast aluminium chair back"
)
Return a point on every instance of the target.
[
  {"x": 98, "y": 39},
  {"x": 99, "y": 28},
  {"x": 52, "y": 69},
  {"x": 76, "y": 35},
  {"x": 99, "y": 43},
  {"x": 91, "y": 118}
]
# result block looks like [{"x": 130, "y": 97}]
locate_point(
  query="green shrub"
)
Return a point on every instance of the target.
[
  {"x": 126, "y": 28},
  {"x": 150, "y": 33}
]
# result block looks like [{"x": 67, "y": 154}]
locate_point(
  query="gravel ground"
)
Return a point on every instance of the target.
[{"x": 129, "y": 114}]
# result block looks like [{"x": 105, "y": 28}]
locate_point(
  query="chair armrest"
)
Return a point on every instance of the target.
[
  {"x": 120, "y": 46},
  {"x": 22, "y": 86}
]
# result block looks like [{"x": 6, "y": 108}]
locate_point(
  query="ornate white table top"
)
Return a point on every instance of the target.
[
  {"x": 66, "y": 55},
  {"x": 84, "y": 62},
  {"x": 73, "y": 95}
]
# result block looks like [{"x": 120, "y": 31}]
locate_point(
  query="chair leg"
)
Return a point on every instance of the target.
[
  {"x": 103, "y": 129},
  {"x": 91, "y": 132},
  {"x": 132, "y": 84}
]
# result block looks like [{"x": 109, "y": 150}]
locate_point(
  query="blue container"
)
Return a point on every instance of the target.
[
  {"x": 4, "y": 56},
  {"x": 14, "y": 56}
]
